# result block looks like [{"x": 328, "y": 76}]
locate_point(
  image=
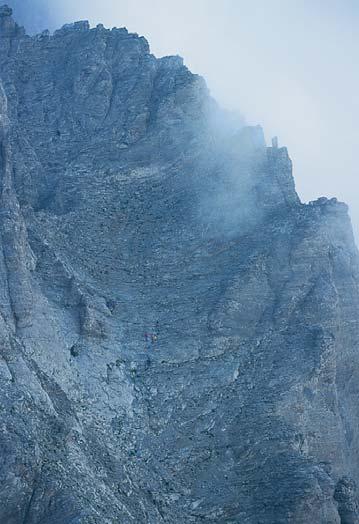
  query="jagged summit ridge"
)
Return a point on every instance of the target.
[{"x": 179, "y": 333}]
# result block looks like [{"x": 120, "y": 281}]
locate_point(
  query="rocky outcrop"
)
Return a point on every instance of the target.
[{"x": 179, "y": 333}]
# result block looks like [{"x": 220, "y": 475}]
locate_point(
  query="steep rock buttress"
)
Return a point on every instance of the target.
[{"x": 179, "y": 333}]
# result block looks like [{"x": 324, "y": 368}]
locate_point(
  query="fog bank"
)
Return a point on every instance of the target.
[{"x": 288, "y": 66}]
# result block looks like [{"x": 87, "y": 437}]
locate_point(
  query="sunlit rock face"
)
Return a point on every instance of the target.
[{"x": 179, "y": 333}]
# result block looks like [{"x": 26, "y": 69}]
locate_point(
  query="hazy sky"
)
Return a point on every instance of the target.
[{"x": 289, "y": 65}]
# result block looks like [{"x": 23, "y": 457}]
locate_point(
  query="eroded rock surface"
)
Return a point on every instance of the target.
[{"x": 179, "y": 333}]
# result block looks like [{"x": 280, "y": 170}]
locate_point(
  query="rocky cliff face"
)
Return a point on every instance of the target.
[{"x": 179, "y": 333}]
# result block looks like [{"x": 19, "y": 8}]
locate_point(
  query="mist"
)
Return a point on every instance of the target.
[
  {"x": 35, "y": 15},
  {"x": 288, "y": 66}
]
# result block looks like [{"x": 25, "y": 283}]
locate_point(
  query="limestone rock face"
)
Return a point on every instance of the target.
[{"x": 179, "y": 333}]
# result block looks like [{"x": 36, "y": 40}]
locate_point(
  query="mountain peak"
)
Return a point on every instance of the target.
[
  {"x": 5, "y": 11},
  {"x": 8, "y": 26},
  {"x": 178, "y": 333}
]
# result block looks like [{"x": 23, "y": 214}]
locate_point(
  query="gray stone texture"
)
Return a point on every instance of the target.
[{"x": 179, "y": 333}]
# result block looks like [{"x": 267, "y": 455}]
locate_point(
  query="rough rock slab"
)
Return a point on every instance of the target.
[{"x": 179, "y": 333}]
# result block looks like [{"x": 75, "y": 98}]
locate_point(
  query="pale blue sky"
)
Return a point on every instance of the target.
[{"x": 289, "y": 65}]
